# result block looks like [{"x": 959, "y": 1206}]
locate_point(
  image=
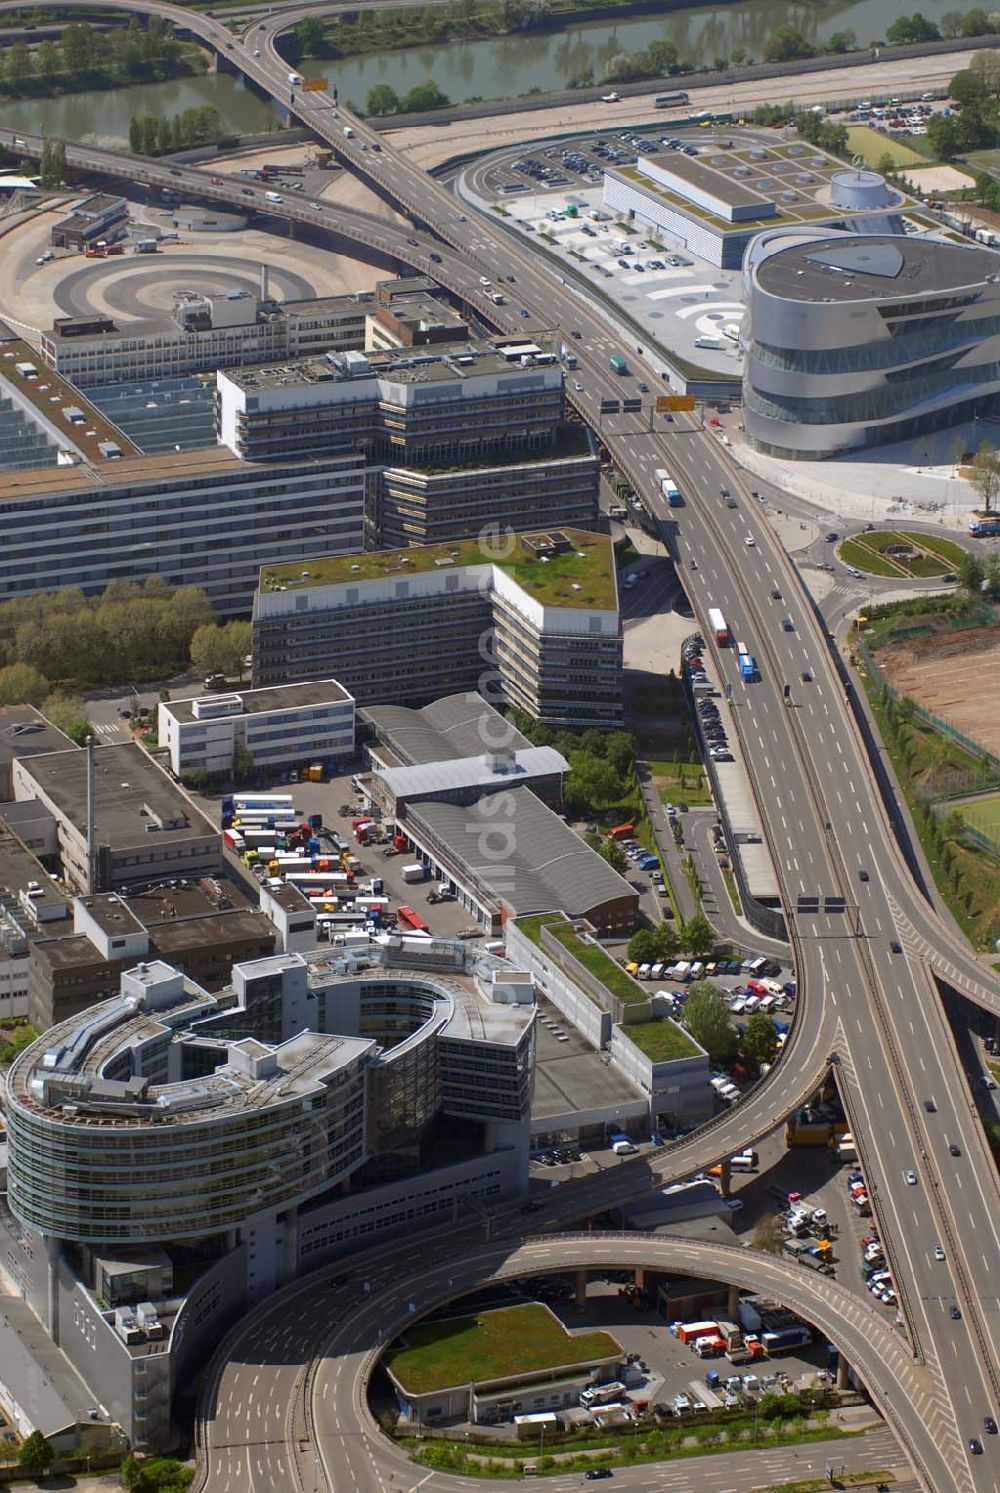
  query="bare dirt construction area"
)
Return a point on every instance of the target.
[{"x": 953, "y": 676}]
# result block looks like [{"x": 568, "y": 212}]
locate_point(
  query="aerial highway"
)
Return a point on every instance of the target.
[{"x": 850, "y": 898}]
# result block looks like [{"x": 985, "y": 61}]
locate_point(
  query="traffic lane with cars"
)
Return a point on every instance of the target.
[{"x": 905, "y": 1219}]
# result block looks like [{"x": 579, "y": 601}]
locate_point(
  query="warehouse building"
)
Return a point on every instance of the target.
[
  {"x": 713, "y": 203},
  {"x": 144, "y": 830},
  {"x": 853, "y": 342},
  {"x": 534, "y": 620},
  {"x": 285, "y": 726},
  {"x": 96, "y": 217}
]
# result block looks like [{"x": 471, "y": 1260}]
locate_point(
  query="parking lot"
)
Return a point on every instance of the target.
[{"x": 556, "y": 193}]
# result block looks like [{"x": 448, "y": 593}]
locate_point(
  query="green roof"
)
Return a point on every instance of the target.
[
  {"x": 506, "y": 1343},
  {"x": 661, "y": 1041},
  {"x": 581, "y": 576},
  {"x": 594, "y": 960}
]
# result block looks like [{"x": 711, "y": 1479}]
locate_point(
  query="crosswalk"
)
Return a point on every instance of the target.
[{"x": 111, "y": 731}]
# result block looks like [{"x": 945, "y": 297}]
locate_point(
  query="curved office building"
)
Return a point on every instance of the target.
[
  {"x": 170, "y": 1114},
  {"x": 858, "y": 340}
]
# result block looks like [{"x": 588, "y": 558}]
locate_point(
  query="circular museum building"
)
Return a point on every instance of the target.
[{"x": 856, "y": 340}]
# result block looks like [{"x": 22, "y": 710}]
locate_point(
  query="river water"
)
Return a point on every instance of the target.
[{"x": 504, "y": 67}]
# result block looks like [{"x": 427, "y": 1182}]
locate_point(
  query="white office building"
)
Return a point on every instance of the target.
[{"x": 279, "y": 727}]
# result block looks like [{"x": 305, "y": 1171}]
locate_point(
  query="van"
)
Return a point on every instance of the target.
[
  {"x": 682, "y": 971},
  {"x": 655, "y": 971},
  {"x": 644, "y": 971},
  {"x": 484, "y": 282},
  {"x": 274, "y": 197},
  {"x": 624, "y": 1148},
  {"x": 348, "y": 132},
  {"x": 697, "y": 970},
  {"x": 711, "y": 344},
  {"x": 756, "y": 966}
]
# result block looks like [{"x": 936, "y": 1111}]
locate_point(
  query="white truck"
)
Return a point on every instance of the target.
[
  {"x": 415, "y": 871},
  {"x": 295, "y": 79}
]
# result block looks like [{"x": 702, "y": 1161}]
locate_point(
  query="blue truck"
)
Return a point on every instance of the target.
[{"x": 748, "y": 666}]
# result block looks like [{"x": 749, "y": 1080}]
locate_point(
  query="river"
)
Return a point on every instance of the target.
[{"x": 504, "y": 67}]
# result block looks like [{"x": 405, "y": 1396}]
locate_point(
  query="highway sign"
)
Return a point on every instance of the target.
[
  {"x": 673, "y": 403},
  {"x": 316, "y": 85}
]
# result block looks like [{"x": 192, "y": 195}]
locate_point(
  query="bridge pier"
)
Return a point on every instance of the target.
[
  {"x": 843, "y": 1372},
  {"x": 726, "y": 1178},
  {"x": 733, "y": 1304},
  {"x": 581, "y": 1290}
]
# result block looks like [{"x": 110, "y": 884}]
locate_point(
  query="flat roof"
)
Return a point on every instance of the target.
[
  {"x": 111, "y": 914},
  {"x": 47, "y": 1387},
  {"x": 168, "y": 466},
  {"x": 262, "y": 701},
  {"x": 570, "y": 1076},
  {"x": 583, "y": 575},
  {"x": 438, "y": 364},
  {"x": 18, "y": 867},
  {"x": 503, "y": 1343},
  {"x": 24, "y": 732},
  {"x": 696, "y": 171},
  {"x": 214, "y": 929},
  {"x": 548, "y": 867},
  {"x": 861, "y": 267},
  {"x": 126, "y": 783},
  {"x": 473, "y": 772},
  {"x": 597, "y": 961},
  {"x": 51, "y": 396},
  {"x": 454, "y": 726}
]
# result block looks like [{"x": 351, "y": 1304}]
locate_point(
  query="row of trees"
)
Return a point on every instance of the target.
[
  {"x": 129, "y": 632},
  {"x": 159, "y": 134},
  {"x": 85, "y": 57},
  {"x": 650, "y": 945},
  {"x": 383, "y": 99}
]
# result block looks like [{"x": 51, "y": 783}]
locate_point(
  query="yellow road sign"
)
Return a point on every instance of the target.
[
  {"x": 316, "y": 85},
  {"x": 673, "y": 403}
]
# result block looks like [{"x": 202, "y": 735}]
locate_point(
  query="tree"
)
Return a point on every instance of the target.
[
  {"x": 971, "y": 574},
  {"x": 382, "y": 99},
  {"x": 424, "y": 96},
  {"x": 976, "y": 22},
  {"x": 985, "y": 65},
  {"x": 642, "y": 946},
  {"x": 707, "y": 1018},
  {"x": 35, "y": 1455},
  {"x": 20, "y": 684},
  {"x": 942, "y": 137},
  {"x": 985, "y": 474},
  {"x": 968, "y": 86},
  {"x": 907, "y": 29},
  {"x": 697, "y": 935},
  {"x": 842, "y": 41},
  {"x": 787, "y": 42},
  {"x": 19, "y": 63},
  {"x": 47, "y": 61},
  {"x": 221, "y": 650},
  {"x": 992, "y": 577},
  {"x": 68, "y": 714},
  {"x": 661, "y": 58},
  {"x": 760, "y": 1040},
  {"x": 951, "y": 22},
  {"x": 311, "y": 36},
  {"x": 667, "y": 942}
]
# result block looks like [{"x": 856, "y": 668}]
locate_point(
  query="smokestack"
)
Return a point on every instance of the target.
[
  {"x": 89, "y": 888},
  {"x": 263, "y": 283}
]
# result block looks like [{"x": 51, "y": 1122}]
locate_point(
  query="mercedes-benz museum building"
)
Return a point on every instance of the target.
[{"x": 854, "y": 341}]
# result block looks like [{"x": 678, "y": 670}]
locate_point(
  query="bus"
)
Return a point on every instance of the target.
[
  {"x": 411, "y": 919},
  {"x": 671, "y": 100},
  {"x": 617, "y": 364}
]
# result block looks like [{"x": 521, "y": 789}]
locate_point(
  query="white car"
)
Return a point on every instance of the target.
[
  {"x": 749, "y": 541},
  {"x": 938, "y": 1252},
  {"x": 911, "y": 1178},
  {"x": 577, "y": 386}
]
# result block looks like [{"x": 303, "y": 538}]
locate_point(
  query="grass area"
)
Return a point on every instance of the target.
[
  {"x": 982, "y": 813},
  {"x": 13, "y": 1041},
  {"x": 680, "y": 780},
  {"x": 864, "y": 141},
  {"x": 967, "y": 878},
  {"x": 582, "y": 576},
  {"x": 597, "y": 963},
  {"x": 492, "y": 1345},
  {"x": 661, "y": 1041},
  {"x": 737, "y": 1432},
  {"x": 931, "y": 555},
  {"x": 732, "y": 889}
]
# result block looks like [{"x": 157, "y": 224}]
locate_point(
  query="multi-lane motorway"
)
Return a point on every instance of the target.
[{"x": 873, "y": 1012}]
